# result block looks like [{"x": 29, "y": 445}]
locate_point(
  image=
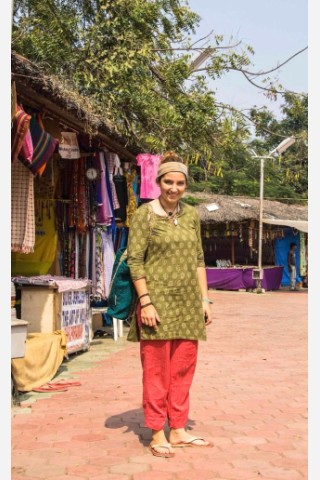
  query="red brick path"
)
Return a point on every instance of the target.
[{"x": 249, "y": 396}]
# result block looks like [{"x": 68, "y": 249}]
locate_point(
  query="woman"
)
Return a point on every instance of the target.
[{"x": 166, "y": 263}]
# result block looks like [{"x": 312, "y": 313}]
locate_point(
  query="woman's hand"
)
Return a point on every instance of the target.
[
  {"x": 150, "y": 317},
  {"x": 207, "y": 315}
]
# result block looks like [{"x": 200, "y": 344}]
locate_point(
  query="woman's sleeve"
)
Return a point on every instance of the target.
[
  {"x": 138, "y": 242},
  {"x": 200, "y": 255}
]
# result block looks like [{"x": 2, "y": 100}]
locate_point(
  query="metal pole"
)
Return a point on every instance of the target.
[{"x": 260, "y": 223}]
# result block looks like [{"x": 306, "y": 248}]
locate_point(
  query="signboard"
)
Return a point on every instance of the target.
[{"x": 75, "y": 318}]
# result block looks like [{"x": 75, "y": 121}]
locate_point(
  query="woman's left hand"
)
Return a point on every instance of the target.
[{"x": 207, "y": 315}]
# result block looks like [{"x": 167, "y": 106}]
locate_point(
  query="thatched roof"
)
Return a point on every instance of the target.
[
  {"x": 51, "y": 93},
  {"x": 238, "y": 209}
]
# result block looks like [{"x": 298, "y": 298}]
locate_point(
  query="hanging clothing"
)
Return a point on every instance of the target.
[
  {"x": 122, "y": 193},
  {"x": 22, "y": 209},
  {"x": 104, "y": 211},
  {"x": 149, "y": 166},
  {"x": 108, "y": 260},
  {"x": 19, "y": 130},
  {"x": 80, "y": 198},
  {"x": 41, "y": 260},
  {"x": 132, "y": 201},
  {"x": 113, "y": 167},
  {"x": 44, "y": 146},
  {"x": 99, "y": 267}
]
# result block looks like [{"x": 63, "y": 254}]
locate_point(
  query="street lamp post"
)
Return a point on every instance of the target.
[{"x": 279, "y": 149}]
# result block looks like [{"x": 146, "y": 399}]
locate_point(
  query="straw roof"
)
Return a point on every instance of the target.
[
  {"x": 226, "y": 208},
  {"x": 50, "y": 91}
]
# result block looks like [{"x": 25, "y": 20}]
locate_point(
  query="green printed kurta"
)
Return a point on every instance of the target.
[{"x": 168, "y": 256}]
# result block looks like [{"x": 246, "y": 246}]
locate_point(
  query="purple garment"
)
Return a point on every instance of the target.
[
  {"x": 104, "y": 211},
  {"x": 149, "y": 167}
]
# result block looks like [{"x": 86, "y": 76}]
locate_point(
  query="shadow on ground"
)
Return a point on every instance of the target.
[{"x": 133, "y": 420}]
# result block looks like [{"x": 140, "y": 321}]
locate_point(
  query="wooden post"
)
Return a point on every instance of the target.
[{"x": 233, "y": 257}]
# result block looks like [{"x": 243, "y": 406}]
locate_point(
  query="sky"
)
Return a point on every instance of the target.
[{"x": 275, "y": 29}]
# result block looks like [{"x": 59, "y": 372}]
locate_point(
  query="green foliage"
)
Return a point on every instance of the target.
[
  {"x": 287, "y": 177},
  {"x": 123, "y": 55}
]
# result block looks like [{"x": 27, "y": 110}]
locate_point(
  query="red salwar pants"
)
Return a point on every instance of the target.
[{"x": 168, "y": 370}]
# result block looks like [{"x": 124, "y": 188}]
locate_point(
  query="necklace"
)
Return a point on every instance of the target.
[{"x": 171, "y": 215}]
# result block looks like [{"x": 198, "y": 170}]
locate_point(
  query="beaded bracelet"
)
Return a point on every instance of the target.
[
  {"x": 143, "y": 295},
  {"x": 146, "y": 305}
]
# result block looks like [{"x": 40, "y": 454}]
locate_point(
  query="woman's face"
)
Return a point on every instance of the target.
[{"x": 172, "y": 186}]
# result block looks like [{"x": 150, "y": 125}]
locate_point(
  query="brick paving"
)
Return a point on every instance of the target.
[{"x": 249, "y": 396}]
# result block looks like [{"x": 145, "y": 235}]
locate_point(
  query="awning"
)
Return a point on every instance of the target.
[{"x": 301, "y": 225}]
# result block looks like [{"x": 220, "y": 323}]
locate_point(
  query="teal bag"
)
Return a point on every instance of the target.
[
  {"x": 122, "y": 297},
  {"x": 122, "y": 294}
]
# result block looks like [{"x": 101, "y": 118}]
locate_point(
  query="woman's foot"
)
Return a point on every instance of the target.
[
  {"x": 180, "y": 438},
  {"x": 159, "y": 445}
]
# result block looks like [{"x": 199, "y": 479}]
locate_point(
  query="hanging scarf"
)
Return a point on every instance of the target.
[{"x": 22, "y": 209}]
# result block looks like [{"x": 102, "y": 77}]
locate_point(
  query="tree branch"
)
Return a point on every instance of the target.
[{"x": 253, "y": 73}]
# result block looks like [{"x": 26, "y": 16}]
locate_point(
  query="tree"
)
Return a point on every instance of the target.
[
  {"x": 288, "y": 175},
  {"x": 134, "y": 59}
]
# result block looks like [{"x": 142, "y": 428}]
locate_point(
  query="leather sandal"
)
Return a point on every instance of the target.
[{"x": 167, "y": 454}]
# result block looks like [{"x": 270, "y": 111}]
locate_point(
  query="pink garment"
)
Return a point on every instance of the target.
[
  {"x": 104, "y": 213},
  {"x": 149, "y": 166},
  {"x": 26, "y": 151}
]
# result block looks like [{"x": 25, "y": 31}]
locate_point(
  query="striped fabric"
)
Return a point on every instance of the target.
[{"x": 44, "y": 146}]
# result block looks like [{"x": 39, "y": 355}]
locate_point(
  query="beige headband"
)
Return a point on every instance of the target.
[{"x": 172, "y": 167}]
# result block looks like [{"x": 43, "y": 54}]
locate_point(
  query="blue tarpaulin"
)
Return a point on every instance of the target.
[{"x": 281, "y": 249}]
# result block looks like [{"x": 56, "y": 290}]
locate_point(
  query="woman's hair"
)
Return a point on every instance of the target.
[{"x": 170, "y": 156}]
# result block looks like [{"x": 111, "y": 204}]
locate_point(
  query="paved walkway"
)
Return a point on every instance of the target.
[{"x": 249, "y": 396}]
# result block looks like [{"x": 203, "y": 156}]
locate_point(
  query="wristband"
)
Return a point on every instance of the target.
[
  {"x": 146, "y": 305},
  {"x": 143, "y": 295},
  {"x": 207, "y": 300}
]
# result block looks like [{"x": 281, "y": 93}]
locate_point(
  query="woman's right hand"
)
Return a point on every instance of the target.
[{"x": 150, "y": 317}]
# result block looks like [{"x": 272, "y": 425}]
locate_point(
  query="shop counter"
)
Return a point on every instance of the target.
[
  {"x": 240, "y": 278},
  {"x": 50, "y": 304}
]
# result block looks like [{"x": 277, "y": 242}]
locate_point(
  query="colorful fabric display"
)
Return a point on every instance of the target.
[
  {"x": 149, "y": 166},
  {"x": 104, "y": 210},
  {"x": 40, "y": 261},
  {"x": 44, "y": 146},
  {"x": 20, "y": 126},
  {"x": 26, "y": 152},
  {"x": 113, "y": 166},
  {"x": 22, "y": 209},
  {"x": 132, "y": 201}
]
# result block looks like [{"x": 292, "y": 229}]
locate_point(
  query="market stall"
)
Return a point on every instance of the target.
[
  {"x": 230, "y": 231},
  {"x": 75, "y": 186},
  {"x": 50, "y": 303}
]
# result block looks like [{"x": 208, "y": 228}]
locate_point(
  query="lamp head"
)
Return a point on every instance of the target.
[{"x": 286, "y": 143}]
